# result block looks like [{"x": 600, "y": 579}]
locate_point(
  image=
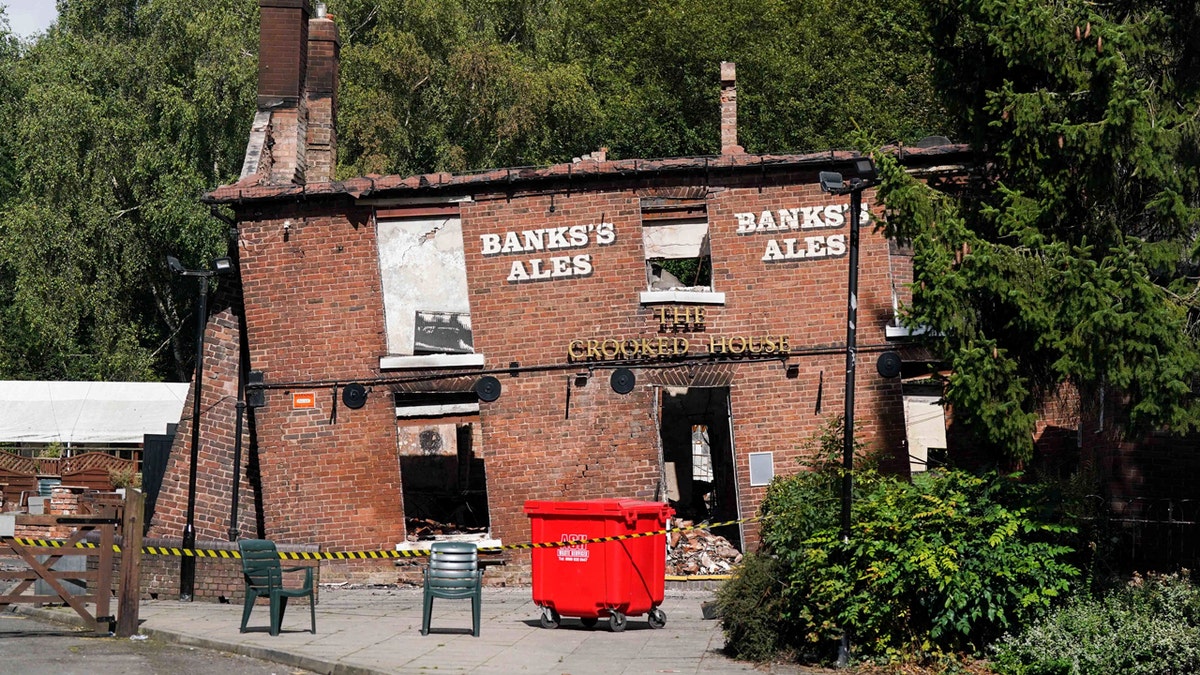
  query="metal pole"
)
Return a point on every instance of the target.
[
  {"x": 843, "y": 658},
  {"x": 851, "y": 359},
  {"x": 234, "y": 530},
  {"x": 187, "y": 569}
]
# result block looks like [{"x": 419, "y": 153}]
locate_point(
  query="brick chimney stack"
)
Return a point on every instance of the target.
[
  {"x": 729, "y": 144},
  {"x": 282, "y": 71},
  {"x": 324, "y": 46}
]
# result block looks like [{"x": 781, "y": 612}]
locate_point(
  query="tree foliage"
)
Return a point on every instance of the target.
[
  {"x": 1071, "y": 258},
  {"x": 118, "y": 119},
  {"x": 482, "y": 83}
]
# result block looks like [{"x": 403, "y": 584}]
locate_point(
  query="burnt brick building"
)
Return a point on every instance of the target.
[{"x": 421, "y": 355}]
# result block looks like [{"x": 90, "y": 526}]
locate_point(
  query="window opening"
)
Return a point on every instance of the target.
[
  {"x": 675, "y": 239},
  {"x": 701, "y": 453},
  {"x": 925, "y": 427}
]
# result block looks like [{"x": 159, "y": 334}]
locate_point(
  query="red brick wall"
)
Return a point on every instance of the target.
[
  {"x": 609, "y": 445},
  {"x": 314, "y": 313},
  {"x": 215, "y": 472},
  {"x": 321, "y": 145}
]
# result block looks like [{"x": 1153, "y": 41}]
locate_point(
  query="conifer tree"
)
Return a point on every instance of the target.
[{"x": 1070, "y": 257}]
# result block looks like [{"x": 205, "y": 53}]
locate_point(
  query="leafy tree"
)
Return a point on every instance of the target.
[
  {"x": 1070, "y": 257},
  {"x": 484, "y": 83},
  {"x": 809, "y": 73},
  {"x": 435, "y": 86},
  {"x": 121, "y": 116}
]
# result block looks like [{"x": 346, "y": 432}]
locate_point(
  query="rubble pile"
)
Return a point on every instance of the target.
[
  {"x": 699, "y": 552},
  {"x": 422, "y": 529}
]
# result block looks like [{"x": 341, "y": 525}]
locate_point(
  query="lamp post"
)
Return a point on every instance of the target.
[
  {"x": 833, "y": 183},
  {"x": 187, "y": 569}
]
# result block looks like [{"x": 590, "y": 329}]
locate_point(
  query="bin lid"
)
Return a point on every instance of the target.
[{"x": 597, "y": 507}]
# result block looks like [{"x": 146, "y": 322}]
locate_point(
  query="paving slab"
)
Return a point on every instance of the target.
[{"x": 376, "y": 631}]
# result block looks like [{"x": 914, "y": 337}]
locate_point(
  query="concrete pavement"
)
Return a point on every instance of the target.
[{"x": 369, "y": 631}]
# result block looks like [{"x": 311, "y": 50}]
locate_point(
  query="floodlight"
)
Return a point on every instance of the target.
[
  {"x": 831, "y": 181},
  {"x": 865, "y": 168}
]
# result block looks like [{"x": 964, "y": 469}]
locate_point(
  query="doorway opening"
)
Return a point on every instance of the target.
[
  {"x": 442, "y": 479},
  {"x": 697, "y": 442}
]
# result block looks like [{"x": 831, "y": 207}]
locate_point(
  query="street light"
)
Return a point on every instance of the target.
[
  {"x": 220, "y": 266},
  {"x": 833, "y": 183}
]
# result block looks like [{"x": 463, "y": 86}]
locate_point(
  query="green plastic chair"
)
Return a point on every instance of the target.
[
  {"x": 453, "y": 573},
  {"x": 264, "y": 579}
]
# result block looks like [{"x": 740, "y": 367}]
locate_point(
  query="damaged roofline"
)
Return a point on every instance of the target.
[{"x": 248, "y": 190}]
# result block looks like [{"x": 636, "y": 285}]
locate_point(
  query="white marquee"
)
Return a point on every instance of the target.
[{"x": 87, "y": 412}]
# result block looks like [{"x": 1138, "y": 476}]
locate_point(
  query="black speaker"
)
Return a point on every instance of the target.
[
  {"x": 256, "y": 396},
  {"x": 487, "y": 388},
  {"x": 622, "y": 380},
  {"x": 888, "y": 364},
  {"x": 354, "y": 395}
]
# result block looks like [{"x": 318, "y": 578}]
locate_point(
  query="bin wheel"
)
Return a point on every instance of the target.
[
  {"x": 657, "y": 618},
  {"x": 589, "y": 621},
  {"x": 617, "y": 621},
  {"x": 550, "y": 618}
]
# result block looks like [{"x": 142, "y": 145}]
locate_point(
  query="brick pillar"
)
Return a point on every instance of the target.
[
  {"x": 282, "y": 69},
  {"x": 322, "y": 84},
  {"x": 729, "y": 144}
]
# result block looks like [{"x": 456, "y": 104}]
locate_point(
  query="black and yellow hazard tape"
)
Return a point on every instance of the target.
[{"x": 373, "y": 555}]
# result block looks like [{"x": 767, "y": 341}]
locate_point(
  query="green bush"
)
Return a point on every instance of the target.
[
  {"x": 946, "y": 563},
  {"x": 750, "y": 607},
  {"x": 1147, "y": 627}
]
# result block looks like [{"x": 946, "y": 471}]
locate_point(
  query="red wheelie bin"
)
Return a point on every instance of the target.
[{"x": 613, "y": 579}]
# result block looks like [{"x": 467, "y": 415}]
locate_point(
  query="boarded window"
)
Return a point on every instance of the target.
[
  {"x": 424, "y": 274},
  {"x": 925, "y": 425}
]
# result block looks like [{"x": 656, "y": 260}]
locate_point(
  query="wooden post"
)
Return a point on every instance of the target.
[{"x": 130, "y": 591}]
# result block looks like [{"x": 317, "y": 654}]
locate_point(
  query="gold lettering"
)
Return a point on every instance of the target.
[
  {"x": 680, "y": 347},
  {"x": 604, "y": 348},
  {"x": 647, "y": 349},
  {"x": 737, "y": 344},
  {"x": 716, "y": 345},
  {"x": 629, "y": 348},
  {"x": 662, "y": 316},
  {"x": 700, "y": 316},
  {"x": 677, "y": 312},
  {"x": 663, "y": 346},
  {"x": 576, "y": 346}
]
